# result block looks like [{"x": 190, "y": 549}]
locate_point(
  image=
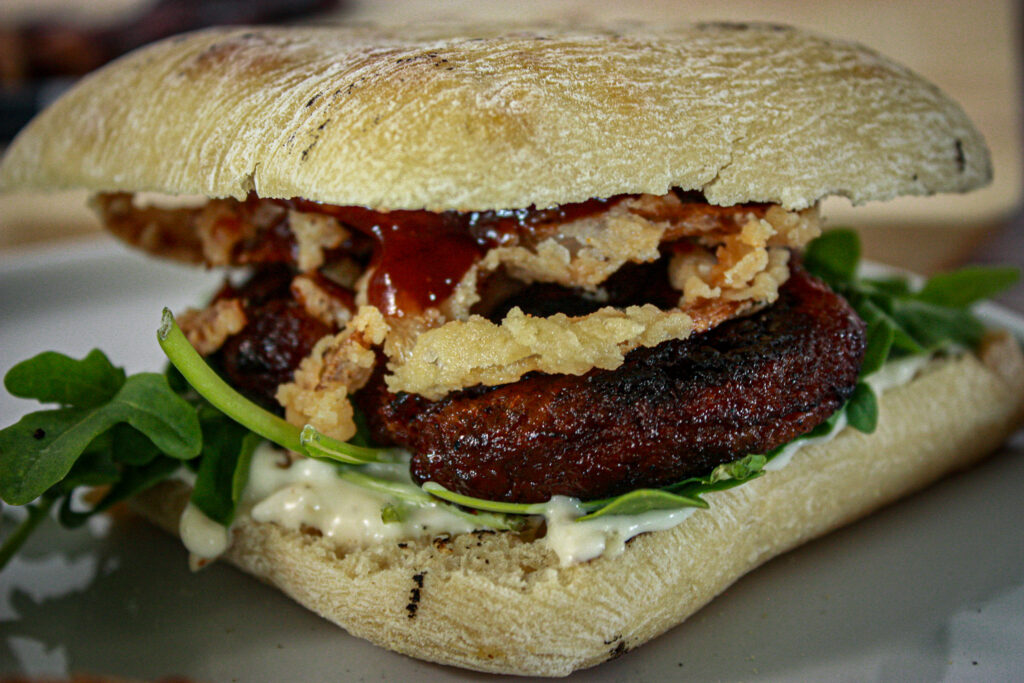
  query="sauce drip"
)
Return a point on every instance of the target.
[{"x": 420, "y": 256}]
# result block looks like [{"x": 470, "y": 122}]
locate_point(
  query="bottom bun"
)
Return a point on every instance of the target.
[{"x": 497, "y": 602}]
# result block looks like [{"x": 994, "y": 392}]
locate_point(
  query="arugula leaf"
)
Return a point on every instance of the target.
[
  {"x": 738, "y": 470},
  {"x": 862, "y": 409},
  {"x": 40, "y": 449},
  {"x": 52, "y": 377},
  {"x": 834, "y": 256},
  {"x": 227, "y": 452},
  {"x": 410, "y": 495},
  {"x": 874, "y": 314},
  {"x": 322, "y": 447},
  {"x": 934, "y": 327},
  {"x": 131, "y": 447},
  {"x": 963, "y": 287},
  {"x": 880, "y": 338},
  {"x": 94, "y": 467},
  {"x": 644, "y": 500},
  {"x": 887, "y": 286},
  {"x": 821, "y": 430}
]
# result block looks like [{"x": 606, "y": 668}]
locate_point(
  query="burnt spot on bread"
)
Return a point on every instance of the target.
[
  {"x": 313, "y": 99},
  {"x": 617, "y": 651},
  {"x": 961, "y": 160},
  {"x": 415, "y": 595},
  {"x": 442, "y": 543},
  {"x": 350, "y": 87},
  {"x": 619, "y": 648},
  {"x": 433, "y": 58},
  {"x": 480, "y": 534}
]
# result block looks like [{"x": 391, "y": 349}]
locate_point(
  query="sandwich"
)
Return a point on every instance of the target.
[{"x": 532, "y": 341}]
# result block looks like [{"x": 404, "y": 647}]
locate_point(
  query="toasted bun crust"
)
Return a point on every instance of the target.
[
  {"x": 495, "y": 603},
  {"x": 480, "y": 118}
]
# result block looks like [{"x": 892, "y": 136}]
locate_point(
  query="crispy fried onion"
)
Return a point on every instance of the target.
[
  {"x": 585, "y": 252},
  {"x": 460, "y": 354},
  {"x": 219, "y": 233},
  {"x": 338, "y": 365},
  {"x": 207, "y": 329}
]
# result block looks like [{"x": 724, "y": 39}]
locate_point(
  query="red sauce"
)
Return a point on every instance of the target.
[{"x": 420, "y": 256}]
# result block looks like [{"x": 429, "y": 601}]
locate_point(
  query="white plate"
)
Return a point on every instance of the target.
[{"x": 929, "y": 589}]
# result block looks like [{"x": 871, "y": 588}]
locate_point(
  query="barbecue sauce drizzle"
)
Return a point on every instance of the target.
[{"x": 420, "y": 256}]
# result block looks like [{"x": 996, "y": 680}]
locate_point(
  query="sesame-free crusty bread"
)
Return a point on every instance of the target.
[
  {"x": 473, "y": 118},
  {"x": 492, "y": 602}
]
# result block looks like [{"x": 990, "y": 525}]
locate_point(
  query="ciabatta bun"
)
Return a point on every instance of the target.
[
  {"x": 493, "y": 602},
  {"x": 480, "y": 118}
]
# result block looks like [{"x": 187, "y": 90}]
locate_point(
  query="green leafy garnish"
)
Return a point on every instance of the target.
[
  {"x": 323, "y": 447},
  {"x": 56, "y": 438},
  {"x": 862, "y": 409},
  {"x": 223, "y": 469},
  {"x": 834, "y": 257},
  {"x": 53, "y": 377},
  {"x": 932, "y": 318},
  {"x": 682, "y": 494},
  {"x": 645, "y": 500},
  {"x": 880, "y": 338},
  {"x": 126, "y": 433},
  {"x": 963, "y": 287}
]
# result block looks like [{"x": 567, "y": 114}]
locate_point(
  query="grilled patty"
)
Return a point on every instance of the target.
[{"x": 667, "y": 413}]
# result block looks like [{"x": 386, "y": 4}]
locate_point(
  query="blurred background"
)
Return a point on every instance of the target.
[{"x": 970, "y": 48}]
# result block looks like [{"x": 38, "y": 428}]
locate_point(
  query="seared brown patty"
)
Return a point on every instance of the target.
[{"x": 668, "y": 413}]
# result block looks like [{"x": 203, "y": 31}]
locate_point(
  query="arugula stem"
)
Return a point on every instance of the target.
[
  {"x": 435, "y": 489},
  {"x": 318, "y": 445},
  {"x": 36, "y": 514},
  {"x": 215, "y": 390}
]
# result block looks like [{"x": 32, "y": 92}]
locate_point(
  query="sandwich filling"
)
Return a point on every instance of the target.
[{"x": 584, "y": 350}]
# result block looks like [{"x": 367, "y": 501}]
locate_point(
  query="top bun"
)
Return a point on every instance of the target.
[{"x": 475, "y": 118}]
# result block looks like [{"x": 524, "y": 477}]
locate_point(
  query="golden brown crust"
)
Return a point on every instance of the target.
[
  {"x": 482, "y": 118},
  {"x": 494, "y": 603}
]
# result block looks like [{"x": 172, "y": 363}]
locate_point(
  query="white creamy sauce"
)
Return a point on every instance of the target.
[
  {"x": 202, "y": 536},
  {"x": 576, "y": 541},
  {"x": 309, "y": 493},
  {"x": 896, "y": 373}
]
